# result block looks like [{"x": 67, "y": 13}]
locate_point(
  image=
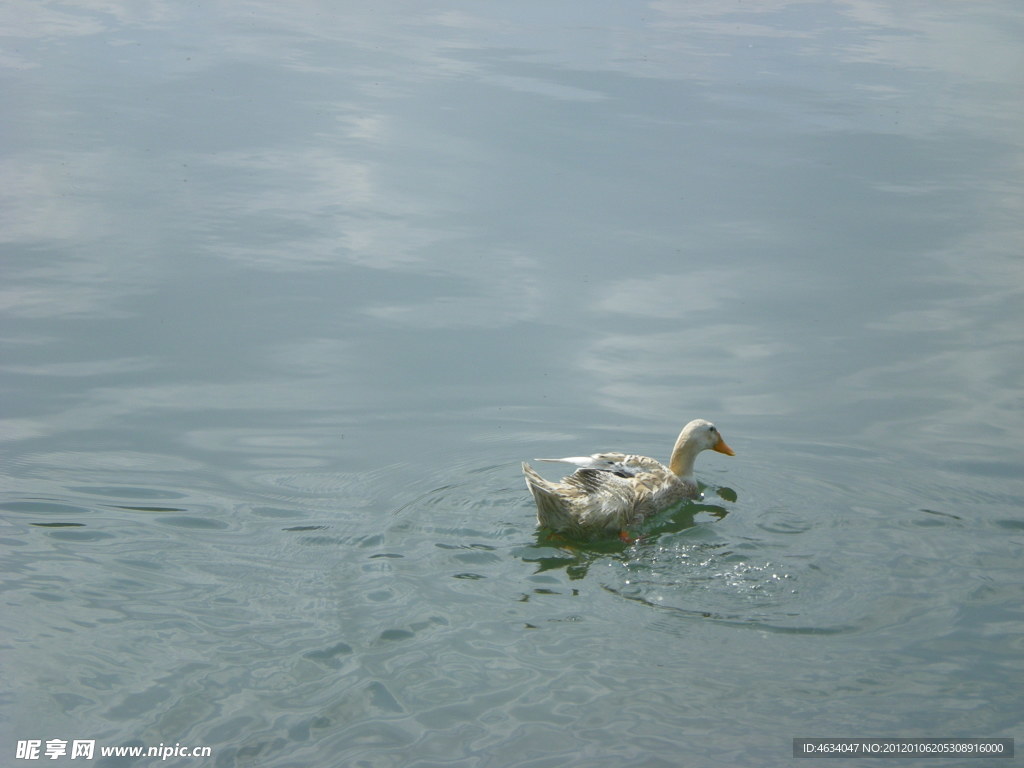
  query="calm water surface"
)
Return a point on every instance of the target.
[{"x": 289, "y": 291}]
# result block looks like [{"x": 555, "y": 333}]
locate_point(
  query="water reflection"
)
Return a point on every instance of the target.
[
  {"x": 552, "y": 551},
  {"x": 289, "y": 293},
  {"x": 384, "y": 182}
]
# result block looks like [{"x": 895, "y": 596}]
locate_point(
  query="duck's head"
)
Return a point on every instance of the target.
[
  {"x": 699, "y": 435},
  {"x": 705, "y": 435}
]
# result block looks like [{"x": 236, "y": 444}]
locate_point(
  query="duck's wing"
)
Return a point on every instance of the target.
[
  {"x": 621, "y": 464},
  {"x": 608, "y": 501}
]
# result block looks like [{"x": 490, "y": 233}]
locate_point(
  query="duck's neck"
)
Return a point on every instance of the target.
[{"x": 683, "y": 456}]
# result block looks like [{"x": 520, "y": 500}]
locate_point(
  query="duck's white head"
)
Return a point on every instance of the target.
[{"x": 699, "y": 435}]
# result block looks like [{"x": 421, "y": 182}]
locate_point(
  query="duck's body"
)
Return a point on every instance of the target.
[{"x": 611, "y": 491}]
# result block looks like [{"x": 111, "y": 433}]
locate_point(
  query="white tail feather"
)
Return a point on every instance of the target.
[{"x": 552, "y": 510}]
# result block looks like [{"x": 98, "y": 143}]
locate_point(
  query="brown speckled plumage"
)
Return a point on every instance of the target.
[{"x": 613, "y": 491}]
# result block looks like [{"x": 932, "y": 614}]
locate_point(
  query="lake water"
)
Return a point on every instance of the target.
[{"x": 290, "y": 289}]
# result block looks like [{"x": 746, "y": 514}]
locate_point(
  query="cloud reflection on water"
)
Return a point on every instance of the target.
[{"x": 381, "y": 155}]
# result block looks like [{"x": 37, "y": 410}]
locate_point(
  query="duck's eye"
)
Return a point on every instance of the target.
[{"x": 712, "y": 428}]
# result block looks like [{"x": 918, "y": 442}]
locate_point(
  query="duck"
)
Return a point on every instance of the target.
[{"x": 610, "y": 492}]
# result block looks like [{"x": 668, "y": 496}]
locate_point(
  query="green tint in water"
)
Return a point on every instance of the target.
[{"x": 288, "y": 296}]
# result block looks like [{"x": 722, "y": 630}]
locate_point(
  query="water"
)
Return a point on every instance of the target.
[{"x": 290, "y": 291}]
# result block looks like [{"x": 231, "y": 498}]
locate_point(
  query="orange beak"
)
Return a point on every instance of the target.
[{"x": 721, "y": 447}]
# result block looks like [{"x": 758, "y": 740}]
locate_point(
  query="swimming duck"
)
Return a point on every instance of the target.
[{"x": 611, "y": 491}]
